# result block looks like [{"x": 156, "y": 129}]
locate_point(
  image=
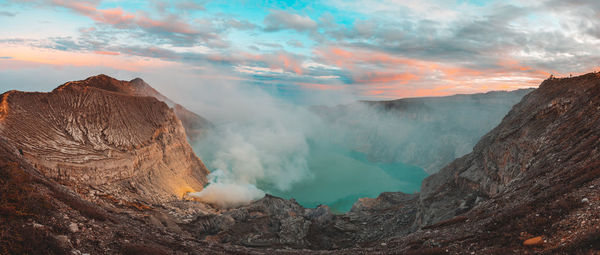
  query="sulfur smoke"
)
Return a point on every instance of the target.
[
  {"x": 258, "y": 141},
  {"x": 336, "y": 151}
]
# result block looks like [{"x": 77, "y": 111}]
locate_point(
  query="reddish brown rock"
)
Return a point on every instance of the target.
[
  {"x": 194, "y": 124},
  {"x": 533, "y": 241},
  {"x": 96, "y": 132}
]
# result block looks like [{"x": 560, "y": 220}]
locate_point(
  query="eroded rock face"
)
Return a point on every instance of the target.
[
  {"x": 550, "y": 135},
  {"x": 195, "y": 125},
  {"x": 95, "y": 132}
]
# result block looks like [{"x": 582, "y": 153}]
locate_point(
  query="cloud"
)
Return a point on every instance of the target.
[
  {"x": 384, "y": 48},
  {"x": 122, "y": 19},
  {"x": 554, "y": 41},
  {"x": 281, "y": 60},
  {"x": 170, "y": 27},
  {"x": 377, "y": 73},
  {"x": 461, "y": 40},
  {"x": 111, "y": 53},
  {"x": 432, "y": 9},
  {"x": 580, "y": 16},
  {"x": 295, "y": 43},
  {"x": 239, "y": 24},
  {"x": 275, "y": 63},
  {"x": 7, "y": 14},
  {"x": 190, "y": 5},
  {"x": 256, "y": 70},
  {"x": 278, "y": 20},
  {"x": 385, "y": 77},
  {"x": 179, "y": 6},
  {"x": 271, "y": 45}
]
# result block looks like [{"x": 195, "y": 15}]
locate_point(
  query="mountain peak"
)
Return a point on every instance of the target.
[
  {"x": 194, "y": 124},
  {"x": 137, "y": 80},
  {"x": 573, "y": 81},
  {"x": 100, "y": 81}
]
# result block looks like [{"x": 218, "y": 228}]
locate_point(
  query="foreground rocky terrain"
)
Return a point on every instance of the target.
[{"x": 530, "y": 186}]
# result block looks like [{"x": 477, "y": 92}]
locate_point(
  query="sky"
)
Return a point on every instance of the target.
[{"x": 370, "y": 49}]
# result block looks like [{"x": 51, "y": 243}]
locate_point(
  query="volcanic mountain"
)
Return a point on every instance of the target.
[
  {"x": 105, "y": 133},
  {"x": 87, "y": 169}
]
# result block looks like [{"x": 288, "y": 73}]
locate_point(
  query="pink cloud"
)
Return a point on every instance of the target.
[
  {"x": 24, "y": 56},
  {"x": 111, "y": 53},
  {"x": 393, "y": 76},
  {"x": 385, "y": 77},
  {"x": 289, "y": 63},
  {"x": 281, "y": 60},
  {"x": 121, "y": 19}
]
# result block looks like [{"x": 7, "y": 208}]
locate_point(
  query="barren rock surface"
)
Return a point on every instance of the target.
[
  {"x": 194, "y": 125},
  {"x": 550, "y": 135},
  {"x": 92, "y": 133}
]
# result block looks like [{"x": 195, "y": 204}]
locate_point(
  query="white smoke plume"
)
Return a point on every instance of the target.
[
  {"x": 263, "y": 143},
  {"x": 257, "y": 140}
]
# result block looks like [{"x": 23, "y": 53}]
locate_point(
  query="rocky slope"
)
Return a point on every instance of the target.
[
  {"x": 551, "y": 135},
  {"x": 40, "y": 216},
  {"x": 533, "y": 178},
  {"x": 98, "y": 132}
]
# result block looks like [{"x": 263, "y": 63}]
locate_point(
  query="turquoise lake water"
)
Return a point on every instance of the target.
[{"x": 340, "y": 176}]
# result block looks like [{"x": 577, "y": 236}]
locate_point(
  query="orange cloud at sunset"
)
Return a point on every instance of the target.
[
  {"x": 66, "y": 58},
  {"x": 289, "y": 63},
  {"x": 383, "y": 77},
  {"x": 393, "y": 74},
  {"x": 274, "y": 61},
  {"x": 119, "y": 18},
  {"x": 107, "y": 53},
  {"x": 386, "y": 53}
]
